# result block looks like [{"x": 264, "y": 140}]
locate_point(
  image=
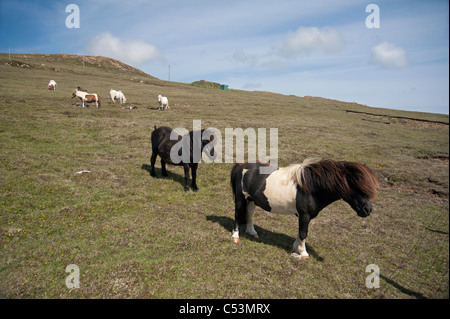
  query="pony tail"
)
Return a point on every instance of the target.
[{"x": 234, "y": 172}]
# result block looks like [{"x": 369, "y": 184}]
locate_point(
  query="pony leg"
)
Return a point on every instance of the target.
[
  {"x": 235, "y": 234},
  {"x": 163, "y": 168},
  {"x": 152, "y": 163},
  {"x": 186, "y": 177},
  {"x": 194, "y": 177},
  {"x": 240, "y": 209},
  {"x": 300, "y": 242},
  {"x": 250, "y": 211},
  {"x": 300, "y": 249}
]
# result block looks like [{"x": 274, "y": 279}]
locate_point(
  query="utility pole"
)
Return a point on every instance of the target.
[
  {"x": 169, "y": 72},
  {"x": 9, "y": 54}
]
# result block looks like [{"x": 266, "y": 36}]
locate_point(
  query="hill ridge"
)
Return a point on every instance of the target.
[{"x": 53, "y": 61}]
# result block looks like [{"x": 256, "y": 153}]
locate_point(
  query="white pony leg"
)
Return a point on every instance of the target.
[
  {"x": 235, "y": 236},
  {"x": 300, "y": 249},
  {"x": 250, "y": 211}
]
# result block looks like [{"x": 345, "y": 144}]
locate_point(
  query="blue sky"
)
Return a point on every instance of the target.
[{"x": 300, "y": 47}]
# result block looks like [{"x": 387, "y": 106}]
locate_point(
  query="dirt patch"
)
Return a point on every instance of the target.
[
  {"x": 437, "y": 158},
  {"x": 406, "y": 121}
]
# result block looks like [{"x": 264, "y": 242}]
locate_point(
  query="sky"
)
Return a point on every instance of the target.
[{"x": 381, "y": 53}]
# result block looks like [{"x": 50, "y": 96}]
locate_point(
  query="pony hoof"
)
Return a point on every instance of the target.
[
  {"x": 299, "y": 257},
  {"x": 255, "y": 236},
  {"x": 236, "y": 240}
]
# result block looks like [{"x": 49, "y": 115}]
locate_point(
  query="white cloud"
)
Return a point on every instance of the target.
[
  {"x": 389, "y": 55},
  {"x": 133, "y": 52},
  {"x": 241, "y": 57},
  {"x": 306, "y": 40}
]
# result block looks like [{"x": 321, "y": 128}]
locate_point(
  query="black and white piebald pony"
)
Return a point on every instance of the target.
[
  {"x": 196, "y": 143},
  {"x": 300, "y": 189}
]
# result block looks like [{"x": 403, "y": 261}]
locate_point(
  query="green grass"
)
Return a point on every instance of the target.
[{"x": 134, "y": 236}]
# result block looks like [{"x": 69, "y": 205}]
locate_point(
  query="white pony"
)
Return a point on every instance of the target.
[
  {"x": 52, "y": 85},
  {"x": 117, "y": 95},
  {"x": 163, "y": 102}
]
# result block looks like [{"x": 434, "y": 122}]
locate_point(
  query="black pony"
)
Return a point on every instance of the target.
[
  {"x": 300, "y": 189},
  {"x": 194, "y": 143}
]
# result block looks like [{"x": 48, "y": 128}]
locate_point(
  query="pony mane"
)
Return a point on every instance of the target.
[{"x": 339, "y": 177}]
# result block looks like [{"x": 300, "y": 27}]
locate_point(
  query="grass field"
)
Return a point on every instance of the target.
[{"x": 135, "y": 236}]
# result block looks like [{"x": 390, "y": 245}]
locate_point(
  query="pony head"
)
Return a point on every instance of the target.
[
  {"x": 363, "y": 184},
  {"x": 355, "y": 183}
]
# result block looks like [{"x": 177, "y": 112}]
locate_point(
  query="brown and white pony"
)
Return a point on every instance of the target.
[
  {"x": 300, "y": 189},
  {"x": 52, "y": 85},
  {"x": 87, "y": 97}
]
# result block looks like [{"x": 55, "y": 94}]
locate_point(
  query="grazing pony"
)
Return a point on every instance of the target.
[
  {"x": 162, "y": 145},
  {"x": 88, "y": 98},
  {"x": 300, "y": 189},
  {"x": 163, "y": 102},
  {"x": 52, "y": 85},
  {"x": 117, "y": 95}
]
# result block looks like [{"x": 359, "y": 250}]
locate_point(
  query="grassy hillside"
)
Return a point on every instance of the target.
[{"x": 135, "y": 236}]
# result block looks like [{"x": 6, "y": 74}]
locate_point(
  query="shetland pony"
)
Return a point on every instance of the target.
[
  {"x": 162, "y": 145},
  {"x": 88, "y": 98},
  {"x": 117, "y": 95},
  {"x": 300, "y": 189},
  {"x": 52, "y": 85},
  {"x": 163, "y": 102}
]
